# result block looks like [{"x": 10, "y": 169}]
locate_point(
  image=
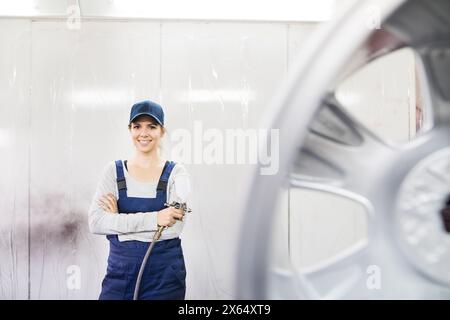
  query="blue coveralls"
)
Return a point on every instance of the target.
[{"x": 165, "y": 273}]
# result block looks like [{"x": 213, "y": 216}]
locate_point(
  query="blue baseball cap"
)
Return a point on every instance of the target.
[{"x": 149, "y": 108}]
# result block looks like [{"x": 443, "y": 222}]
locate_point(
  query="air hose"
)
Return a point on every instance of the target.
[
  {"x": 144, "y": 262},
  {"x": 156, "y": 237}
]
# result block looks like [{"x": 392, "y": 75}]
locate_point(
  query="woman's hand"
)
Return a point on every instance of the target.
[
  {"x": 108, "y": 203},
  {"x": 168, "y": 216}
]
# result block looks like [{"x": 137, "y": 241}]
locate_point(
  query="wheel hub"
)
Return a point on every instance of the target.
[{"x": 423, "y": 194}]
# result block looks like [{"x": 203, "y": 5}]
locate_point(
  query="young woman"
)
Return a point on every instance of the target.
[{"x": 129, "y": 207}]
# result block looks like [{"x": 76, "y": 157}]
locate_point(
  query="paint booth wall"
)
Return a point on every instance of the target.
[{"x": 65, "y": 97}]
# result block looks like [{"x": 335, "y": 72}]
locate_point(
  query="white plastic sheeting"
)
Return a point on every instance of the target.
[
  {"x": 65, "y": 99},
  {"x": 65, "y": 96}
]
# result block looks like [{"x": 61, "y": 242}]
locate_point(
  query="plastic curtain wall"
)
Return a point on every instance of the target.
[{"x": 65, "y": 97}]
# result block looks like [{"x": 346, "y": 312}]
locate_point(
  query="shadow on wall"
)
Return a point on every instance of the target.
[
  {"x": 51, "y": 253},
  {"x": 51, "y": 217}
]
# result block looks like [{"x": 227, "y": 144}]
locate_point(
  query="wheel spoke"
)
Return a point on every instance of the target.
[
  {"x": 336, "y": 146},
  {"x": 333, "y": 278}
]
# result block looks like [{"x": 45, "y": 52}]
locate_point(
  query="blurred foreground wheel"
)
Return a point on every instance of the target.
[{"x": 403, "y": 186}]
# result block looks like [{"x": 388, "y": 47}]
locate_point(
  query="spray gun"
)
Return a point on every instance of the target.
[
  {"x": 156, "y": 237},
  {"x": 176, "y": 205}
]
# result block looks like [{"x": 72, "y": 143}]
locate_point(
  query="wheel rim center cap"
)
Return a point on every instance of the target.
[{"x": 419, "y": 224}]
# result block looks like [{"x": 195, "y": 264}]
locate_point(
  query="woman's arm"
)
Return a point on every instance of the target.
[{"x": 106, "y": 223}]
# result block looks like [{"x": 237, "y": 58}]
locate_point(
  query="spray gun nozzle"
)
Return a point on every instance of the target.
[{"x": 178, "y": 205}]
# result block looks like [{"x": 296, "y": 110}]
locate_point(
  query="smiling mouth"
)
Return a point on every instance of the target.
[{"x": 144, "y": 142}]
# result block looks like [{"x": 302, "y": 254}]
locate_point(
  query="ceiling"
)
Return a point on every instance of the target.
[{"x": 249, "y": 10}]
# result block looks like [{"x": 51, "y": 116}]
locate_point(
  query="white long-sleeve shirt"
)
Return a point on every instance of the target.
[{"x": 139, "y": 226}]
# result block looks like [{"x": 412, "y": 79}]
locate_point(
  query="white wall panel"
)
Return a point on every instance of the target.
[
  {"x": 15, "y": 36},
  {"x": 84, "y": 83},
  {"x": 382, "y": 95},
  {"x": 218, "y": 76}
]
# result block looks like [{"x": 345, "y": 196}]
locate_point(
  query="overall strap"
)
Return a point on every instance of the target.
[
  {"x": 163, "y": 180},
  {"x": 121, "y": 183},
  {"x": 162, "y": 183}
]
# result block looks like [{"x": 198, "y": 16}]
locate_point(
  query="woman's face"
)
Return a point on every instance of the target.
[{"x": 146, "y": 134}]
